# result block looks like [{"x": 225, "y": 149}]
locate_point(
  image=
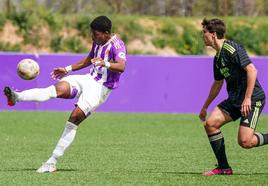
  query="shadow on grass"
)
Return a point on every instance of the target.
[
  {"x": 199, "y": 173},
  {"x": 131, "y": 171},
  {"x": 192, "y": 173},
  {"x": 248, "y": 174},
  {"x": 34, "y": 170},
  {"x": 175, "y": 172}
]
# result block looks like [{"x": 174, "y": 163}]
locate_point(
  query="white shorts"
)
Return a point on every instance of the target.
[{"x": 90, "y": 93}]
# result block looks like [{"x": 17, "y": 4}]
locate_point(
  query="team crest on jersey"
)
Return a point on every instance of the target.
[
  {"x": 122, "y": 55},
  {"x": 225, "y": 72}
]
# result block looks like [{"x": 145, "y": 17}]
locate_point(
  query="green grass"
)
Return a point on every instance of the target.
[{"x": 123, "y": 149}]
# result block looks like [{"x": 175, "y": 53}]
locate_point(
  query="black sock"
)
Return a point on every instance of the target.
[
  {"x": 217, "y": 144},
  {"x": 262, "y": 139}
]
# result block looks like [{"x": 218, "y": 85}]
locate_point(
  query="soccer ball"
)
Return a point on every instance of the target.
[{"x": 28, "y": 69}]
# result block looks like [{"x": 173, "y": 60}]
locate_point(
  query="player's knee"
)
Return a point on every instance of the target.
[
  {"x": 77, "y": 116},
  {"x": 63, "y": 89},
  {"x": 75, "y": 120},
  {"x": 211, "y": 123},
  {"x": 246, "y": 144}
]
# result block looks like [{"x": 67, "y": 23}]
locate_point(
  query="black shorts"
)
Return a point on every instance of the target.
[{"x": 234, "y": 112}]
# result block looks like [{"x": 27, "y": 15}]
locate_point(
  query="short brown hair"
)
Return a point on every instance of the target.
[{"x": 214, "y": 25}]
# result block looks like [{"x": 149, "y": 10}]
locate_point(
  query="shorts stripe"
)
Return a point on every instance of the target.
[{"x": 254, "y": 118}]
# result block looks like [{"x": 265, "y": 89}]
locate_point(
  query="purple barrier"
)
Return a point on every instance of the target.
[{"x": 149, "y": 84}]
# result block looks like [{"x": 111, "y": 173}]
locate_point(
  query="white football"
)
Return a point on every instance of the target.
[{"x": 28, "y": 69}]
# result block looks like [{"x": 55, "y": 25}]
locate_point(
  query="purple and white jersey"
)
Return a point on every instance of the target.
[{"x": 111, "y": 51}]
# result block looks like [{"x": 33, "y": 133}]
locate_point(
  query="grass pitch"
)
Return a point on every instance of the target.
[{"x": 123, "y": 149}]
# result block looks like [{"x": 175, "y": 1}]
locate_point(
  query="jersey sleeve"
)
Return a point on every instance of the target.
[
  {"x": 217, "y": 74},
  {"x": 120, "y": 52},
  {"x": 242, "y": 57}
]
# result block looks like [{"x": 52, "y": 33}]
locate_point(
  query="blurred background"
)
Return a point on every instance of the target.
[
  {"x": 158, "y": 27},
  {"x": 148, "y": 132},
  {"x": 163, "y": 39}
]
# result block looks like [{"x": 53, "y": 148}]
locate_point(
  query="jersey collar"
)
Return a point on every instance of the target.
[
  {"x": 112, "y": 38},
  {"x": 219, "y": 52}
]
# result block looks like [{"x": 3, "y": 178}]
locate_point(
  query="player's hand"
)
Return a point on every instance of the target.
[
  {"x": 97, "y": 61},
  {"x": 246, "y": 107},
  {"x": 203, "y": 114},
  {"x": 58, "y": 73}
]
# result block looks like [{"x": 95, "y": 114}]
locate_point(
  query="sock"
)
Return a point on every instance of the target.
[
  {"x": 217, "y": 144},
  {"x": 37, "y": 94},
  {"x": 262, "y": 139},
  {"x": 64, "y": 142}
]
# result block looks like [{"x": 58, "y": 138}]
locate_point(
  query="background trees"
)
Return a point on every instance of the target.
[
  {"x": 165, "y": 27},
  {"x": 148, "y": 7}
]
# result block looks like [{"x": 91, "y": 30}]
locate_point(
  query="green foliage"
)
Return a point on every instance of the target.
[
  {"x": 73, "y": 44},
  {"x": 160, "y": 42},
  {"x": 169, "y": 29},
  {"x": 125, "y": 38},
  {"x": 262, "y": 33},
  {"x": 252, "y": 35},
  {"x": 181, "y": 34},
  {"x": 21, "y": 19},
  {"x": 7, "y": 47},
  {"x": 83, "y": 25},
  {"x": 2, "y": 21},
  {"x": 128, "y": 26},
  {"x": 54, "y": 25},
  {"x": 190, "y": 43},
  {"x": 56, "y": 43}
]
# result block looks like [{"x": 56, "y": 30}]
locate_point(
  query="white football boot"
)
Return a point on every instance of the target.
[{"x": 47, "y": 168}]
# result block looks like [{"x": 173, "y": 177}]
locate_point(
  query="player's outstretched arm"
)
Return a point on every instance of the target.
[
  {"x": 81, "y": 64},
  {"x": 60, "y": 72}
]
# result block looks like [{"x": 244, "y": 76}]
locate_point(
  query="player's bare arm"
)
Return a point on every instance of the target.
[
  {"x": 213, "y": 93},
  {"x": 82, "y": 64},
  {"x": 58, "y": 73},
  {"x": 118, "y": 66},
  {"x": 251, "y": 79}
]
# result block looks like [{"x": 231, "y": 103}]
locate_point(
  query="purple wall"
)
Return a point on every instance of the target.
[{"x": 149, "y": 84}]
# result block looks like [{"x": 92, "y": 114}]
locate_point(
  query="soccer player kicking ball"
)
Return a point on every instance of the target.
[
  {"x": 91, "y": 89},
  {"x": 246, "y": 97}
]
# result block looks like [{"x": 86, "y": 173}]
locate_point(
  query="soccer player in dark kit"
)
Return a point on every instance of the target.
[{"x": 246, "y": 97}]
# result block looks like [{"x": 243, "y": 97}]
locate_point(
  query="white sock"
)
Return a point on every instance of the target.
[
  {"x": 37, "y": 94},
  {"x": 64, "y": 142}
]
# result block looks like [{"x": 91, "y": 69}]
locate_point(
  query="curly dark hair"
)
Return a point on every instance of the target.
[
  {"x": 101, "y": 24},
  {"x": 215, "y": 25}
]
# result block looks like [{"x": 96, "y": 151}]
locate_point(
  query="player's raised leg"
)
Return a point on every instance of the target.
[
  {"x": 212, "y": 126},
  {"x": 11, "y": 96},
  {"x": 66, "y": 139},
  {"x": 60, "y": 90}
]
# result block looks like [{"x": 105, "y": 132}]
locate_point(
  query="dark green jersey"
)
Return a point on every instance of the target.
[{"x": 229, "y": 64}]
